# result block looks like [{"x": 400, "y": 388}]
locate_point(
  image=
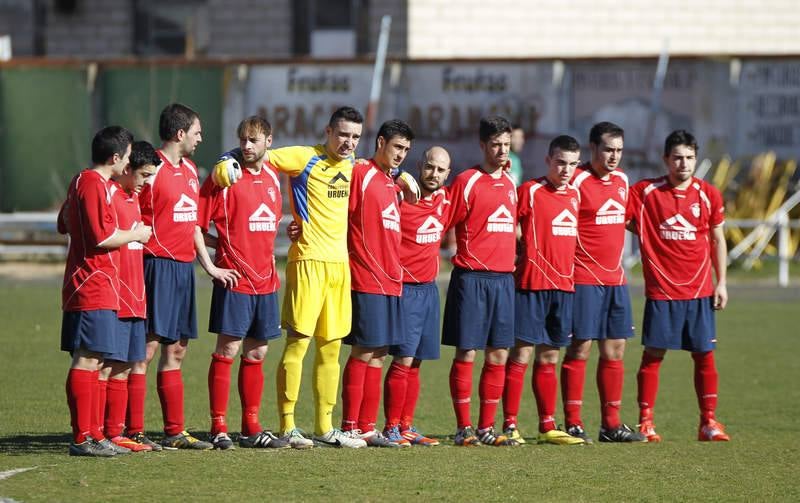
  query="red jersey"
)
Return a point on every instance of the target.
[
  {"x": 485, "y": 218},
  {"x": 373, "y": 236},
  {"x": 674, "y": 228},
  {"x": 422, "y": 226},
  {"x": 91, "y": 275},
  {"x": 169, "y": 205},
  {"x": 548, "y": 218},
  {"x": 601, "y": 227},
  {"x": 132, "y": 300},
  {"x": 246, "y": 216}
]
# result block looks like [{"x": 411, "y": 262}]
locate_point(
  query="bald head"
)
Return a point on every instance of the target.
[{"x": 434, "y": 168}]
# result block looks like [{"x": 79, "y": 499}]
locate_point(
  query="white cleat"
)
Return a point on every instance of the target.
[{"x": 339, "y": 438}]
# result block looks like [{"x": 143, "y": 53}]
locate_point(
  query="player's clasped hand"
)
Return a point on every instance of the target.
[
  {"x": 227, "y": 171},
  {"x": 144, "y": 233},
  {"x": 228, "y": 277}
]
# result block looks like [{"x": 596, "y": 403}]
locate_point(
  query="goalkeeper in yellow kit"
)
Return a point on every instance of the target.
[{"x": 317, "y": 299}]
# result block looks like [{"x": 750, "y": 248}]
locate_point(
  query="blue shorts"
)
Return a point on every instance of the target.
[
  {"x": 680, "y": 324},
  {"x": 131, "y": 340},
  {"x": 93, "y": 331},
  {"x": 420, "y": 308},
  {"x": 243, "y": 315},
  {"x": 377, "y": 320},
  {"x": 171, "y": 309},
  {"x": 543, "y": 317},
  {"x": 479, "y": 310},
  {"x": 602, "y": 312}
]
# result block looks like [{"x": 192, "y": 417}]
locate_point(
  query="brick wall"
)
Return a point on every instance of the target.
[
  {"x": 97, "y": 28},
  {"x": 250, "y": 28}
]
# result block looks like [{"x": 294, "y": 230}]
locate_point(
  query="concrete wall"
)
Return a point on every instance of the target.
[{"x": 586, "y": 28}]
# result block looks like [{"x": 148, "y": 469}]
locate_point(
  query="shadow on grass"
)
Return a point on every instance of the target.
[{"x": 25, "y": 444}]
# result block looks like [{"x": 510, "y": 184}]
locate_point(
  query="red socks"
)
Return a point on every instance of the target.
[
  {"x": 573, "y": 375},
  {"x": 610, "y": 376},
  {"x": 170, "y": 393},
  {"x": 116, "y": 402},
  {"x": 512, "y": 392},
  {"x": 395, "y": 388},
  {"x": 137, "y": 389},
  {"x": 368, "y": 414},
  {"x": 461, "y": 390},
  {"x": 545, "y": 389},
  {"x": 412, "y": 395},
  {"x": 251, "y": 386},
  {"x": 80, "y": 388},
  {"x": 99, "y": 404},
  {"x": 219, "y": 387},
  {"x": 352, "y": 392},
  {"x": 490, "y": 390},
  {"x": 647, "y": 379},
  {"x": 705, "y": 383}
]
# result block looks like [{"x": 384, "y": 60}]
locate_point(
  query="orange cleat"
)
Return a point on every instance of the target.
[
  {"x": 648, "y": 429},
  {"x": 128, "y": 443},
  {"x": 712, "y": 431}
]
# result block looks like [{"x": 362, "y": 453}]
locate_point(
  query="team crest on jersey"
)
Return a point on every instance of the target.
[
  {"x": 565, "y": 224},
  {"x": 185, "y": 210},
  {"x": 622, "y": 193},
  {"x": 501, "y": 220},
  {"x": 262, "y": 220},
  {"x": 574, "y": 203},
  {"x": 339, "y": 190},
  {"x": 391, "y": 218},
  {"x": 695, "y": 209},
  {"x": 612, "y": 212},
  {"x": 677, "y": 228},
  {"x": 271, "y": 194},
  {"x": 193, "y": 185},
  {"x": 512, "y": 196},
  {"x": 430, "y": 231}
]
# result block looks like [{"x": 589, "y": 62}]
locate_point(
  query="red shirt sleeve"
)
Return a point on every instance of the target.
[
  {"x": 100, "y": 221},
  {"x": 717, "y": 216},
  {"x": 209, "y": 195}
]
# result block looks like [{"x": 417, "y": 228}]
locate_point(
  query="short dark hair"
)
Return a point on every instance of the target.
[
  {"x": 175, "y": 117},
  {"x": 254, "y": 124},
  {"x": 348, "y": 114},
  {"x": 393, "y": 128},
  {"x": 563, "y": 143},
  {"x": 679, "y": 137},
  {"x": 142, "y": 154},
  {"x": 109, "y": 141},
  {"x": 493, "y": 126},
  {"x": 601, "y": 128}
]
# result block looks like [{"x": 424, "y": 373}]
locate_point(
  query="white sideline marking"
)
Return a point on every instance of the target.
[{"x": 10, "y": 473}]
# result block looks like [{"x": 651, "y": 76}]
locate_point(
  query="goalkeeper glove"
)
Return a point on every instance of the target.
[{"x": 227, "y": 169}]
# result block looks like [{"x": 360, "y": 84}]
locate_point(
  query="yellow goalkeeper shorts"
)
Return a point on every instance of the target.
[{"x": 317, "y": 300}]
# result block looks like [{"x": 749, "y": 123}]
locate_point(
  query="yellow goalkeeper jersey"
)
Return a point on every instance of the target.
[{"x": 319, "y": 200}]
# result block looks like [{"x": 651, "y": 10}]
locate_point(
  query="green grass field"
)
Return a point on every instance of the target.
[{"x": 759, "y": 403}]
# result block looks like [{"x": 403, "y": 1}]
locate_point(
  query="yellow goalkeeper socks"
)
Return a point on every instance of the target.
[
  {"x": 326, "y": 383},
  {"x": 290, "y": 372}
]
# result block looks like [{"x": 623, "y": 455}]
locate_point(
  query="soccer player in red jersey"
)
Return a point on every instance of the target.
[
  {"x": 130, "y": 334},
  {"x": 90, "y": 296},
  {"x": 422, "y": 226},
  {"x": 377, "y": 283},
  {"x": 678, "y": 219},
  {"x": 602, "y": 306},
  {"x": 244, "y": 313},
  {"x": 169, "y": 203},
  {"x": 479, "y": 310},
  {"x": 548, "y": 217}
]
